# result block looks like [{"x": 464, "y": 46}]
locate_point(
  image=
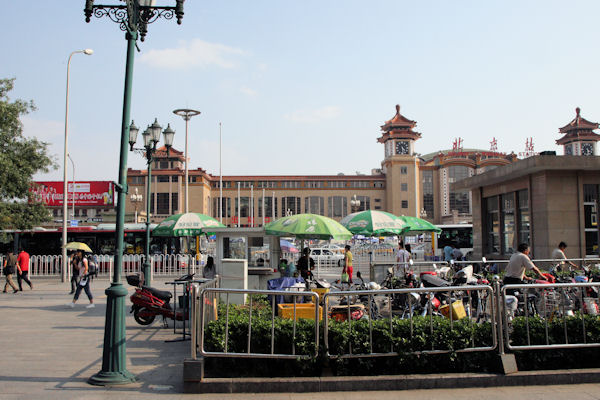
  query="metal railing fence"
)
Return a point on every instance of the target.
[
  {"x": 558, "y": 309},
  {"x": 208, "y": 312},
  {"x": 163, "y": 264},
  {"x": 199, "y": 331},
  {"x": 541, "y": 305},
  {"x": 474, "y": 311}
]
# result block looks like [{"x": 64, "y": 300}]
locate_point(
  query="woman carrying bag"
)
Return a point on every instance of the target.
[
  {"x": 347, "y": 270},
  {"x": 81, "y": 264}
]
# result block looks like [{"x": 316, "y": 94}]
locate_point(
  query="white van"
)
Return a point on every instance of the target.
[{"x": 326, "y": 257}]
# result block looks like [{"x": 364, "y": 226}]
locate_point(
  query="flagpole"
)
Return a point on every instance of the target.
[
  {"x": 263, "y": 207},
  {"x": 220, "y": 178},
  {"x": 252, "y": 205}
]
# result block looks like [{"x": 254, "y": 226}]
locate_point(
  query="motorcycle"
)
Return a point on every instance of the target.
[
  {"x": 148, "y": 302},
  {"x": 368, "y": 300}
]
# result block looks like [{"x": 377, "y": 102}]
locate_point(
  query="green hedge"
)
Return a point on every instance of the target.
[
  {"x": 556, "y": 358},
  {"x": 462, "y": 335}
]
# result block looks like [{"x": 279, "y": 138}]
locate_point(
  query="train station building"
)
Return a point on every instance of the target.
[
  {"x": 541, "y": 200},
  {"x": 405, "y": 183}
]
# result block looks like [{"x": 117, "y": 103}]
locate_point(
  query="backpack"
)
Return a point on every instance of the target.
[{"x": 92, "y": 266}]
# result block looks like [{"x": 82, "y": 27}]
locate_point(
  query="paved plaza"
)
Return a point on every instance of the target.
[{"x": 49, "y": 351}]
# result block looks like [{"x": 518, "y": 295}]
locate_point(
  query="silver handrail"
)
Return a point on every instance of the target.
[
  {"x": 408, "y": 291},
  {"x": 549, "y": 293},
  {"x": 249, "y": 354}
]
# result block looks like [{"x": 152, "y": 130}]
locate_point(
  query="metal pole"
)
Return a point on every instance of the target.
[
  {"x": 114, "y": 368},
  {"x": 220, "y": 178},
  {"x": 186, "y": 167},
  {"x": 65, "y": 181},
  {"x": 147, "y": 262},
  {"x": 73, "y": 184},
  {"x": 263, "y": 207},
  {"x": 252, "y": 205},
  {"x": 239, "y": 199},
  {"x": 416, "y": 193},
  {"x": 273, "y": 205},
  {"x": 187, "y": 114}
]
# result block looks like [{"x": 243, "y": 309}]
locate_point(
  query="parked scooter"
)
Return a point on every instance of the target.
[
  {"x": 148, "y": 302},
  {"x": 368, "y": 300}
]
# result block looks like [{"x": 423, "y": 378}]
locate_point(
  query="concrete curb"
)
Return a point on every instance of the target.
[{"x": 386, "y": 382}]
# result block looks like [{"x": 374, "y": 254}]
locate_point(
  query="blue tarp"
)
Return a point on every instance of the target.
[{"x": 282, "y": 284}]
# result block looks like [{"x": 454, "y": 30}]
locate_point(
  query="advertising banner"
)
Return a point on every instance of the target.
[{"x": 86, "y": 193}]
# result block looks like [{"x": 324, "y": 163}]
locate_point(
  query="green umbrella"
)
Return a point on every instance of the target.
[
  {"x": 308, "y": 226},
  {"x": 189, "y": 224},
  {"x": 418, "y": 225},
  {"x": 374, "y": 223}
]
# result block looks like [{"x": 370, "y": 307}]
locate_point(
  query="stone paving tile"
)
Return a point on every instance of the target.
[{"x": 48, "y": 351}]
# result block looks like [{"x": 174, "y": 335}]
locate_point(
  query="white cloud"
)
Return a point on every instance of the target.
[
  {"x": 312, "y": 116},
  {"x": 248, "y": 91},
  {"x": 196, "y": 53}
]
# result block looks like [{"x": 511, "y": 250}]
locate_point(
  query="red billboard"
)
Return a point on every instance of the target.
[{"x": 87, "y": 193}]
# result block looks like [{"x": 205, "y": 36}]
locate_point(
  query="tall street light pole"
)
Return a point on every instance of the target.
[
  {"x": 133, "y": 17},
  {"x": 65, "y": 264},
  {"x": 73, "y": 185},
  {"x": 151, "y": 138},
  {"x": 187, "y": 114}
]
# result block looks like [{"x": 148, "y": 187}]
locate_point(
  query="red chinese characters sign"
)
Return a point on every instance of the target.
[{"x": 87, "y": 193}]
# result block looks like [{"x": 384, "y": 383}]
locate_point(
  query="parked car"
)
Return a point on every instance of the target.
[
  {"x": 323, "y": 256},
  {"x": 336, "y": 248}
]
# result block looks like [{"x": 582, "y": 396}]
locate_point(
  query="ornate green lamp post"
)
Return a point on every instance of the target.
[
  {"x": 133, "y": 18},
  {"x": 151, "y": 138}
]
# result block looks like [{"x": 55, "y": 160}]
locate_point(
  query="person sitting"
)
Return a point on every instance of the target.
[
  {"x": 559, "y": 254},
  {"x": 457, "y": 255},
  {"x": 283, "y": 267},
  {"x": 518, "y": 264}
]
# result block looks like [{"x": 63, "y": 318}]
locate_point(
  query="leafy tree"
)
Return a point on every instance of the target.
[{"x": 20, "y": 159}]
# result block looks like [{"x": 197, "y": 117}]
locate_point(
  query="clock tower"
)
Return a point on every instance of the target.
[
  {"x": 579, "y": 138},
  {"x": 401, "y": 165}
]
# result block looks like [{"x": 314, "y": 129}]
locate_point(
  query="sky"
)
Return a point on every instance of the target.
[{"x": 303, "y": 87}]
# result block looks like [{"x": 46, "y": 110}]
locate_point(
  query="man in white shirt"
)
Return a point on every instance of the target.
[
  {"x": 518, "y": 264},
  {"x": 402, "y": 257},
  {"x": 559, "y": 254}
]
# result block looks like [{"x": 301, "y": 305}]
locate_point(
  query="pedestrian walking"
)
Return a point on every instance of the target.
[
  {"x": 23, "y": 269},
  {"x": 348, "y": 268},
  {"x": 84, "y": 283},
  {"x": 402, "y": 258},
  {"x": 8, "y": 269},
  {"x": 74, "y": 274}
]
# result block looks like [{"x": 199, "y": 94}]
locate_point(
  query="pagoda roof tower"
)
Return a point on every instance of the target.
[
  {"x": 399, "y": 127},
  {"x": 578, "y": 129}
]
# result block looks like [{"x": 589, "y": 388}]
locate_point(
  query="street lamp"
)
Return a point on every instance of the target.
[
  {"x": 73, "y": 184},
  {"x": 187, "y": 114},
  {"x": 151, "y": 138},
  {"x": 133, "y": 17},
  {"x": 88, "y": 52},
  {"x": 135, "y": 199}
]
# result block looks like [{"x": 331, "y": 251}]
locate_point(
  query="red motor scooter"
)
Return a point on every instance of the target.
[{"x": 148, "y": 302}]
